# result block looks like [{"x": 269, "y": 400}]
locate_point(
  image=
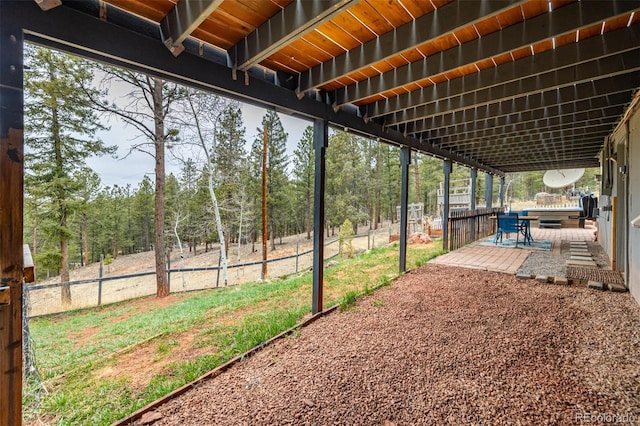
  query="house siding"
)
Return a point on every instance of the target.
[
  {"x": 634, "y": 205},
  {"x": 626, "y": 233}
]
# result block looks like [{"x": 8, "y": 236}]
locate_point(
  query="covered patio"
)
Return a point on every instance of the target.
[
  {"x": 441, "y": 345},
  {"x": 484, "y": 255},
  {"x": 496, "y": 86}
]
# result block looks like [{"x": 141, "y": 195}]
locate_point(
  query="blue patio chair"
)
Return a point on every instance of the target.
[
  {"x": 508, "y": 224},
  {"x": 521, "y": 225}
]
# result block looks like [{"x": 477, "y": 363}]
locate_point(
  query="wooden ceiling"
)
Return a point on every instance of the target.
[{"x": 513, "y": 85}]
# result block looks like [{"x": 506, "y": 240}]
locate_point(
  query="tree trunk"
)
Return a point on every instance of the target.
[
  {"x": 147, "y": 242},
  {"x": 376, "y": 209},
  {"x": 35, "y": 236},
  {"x": 378, "y": 180},
  {"x": 162, "y": 283},
  {"x": 65, "y": 290},
  {"x": 114, "y": 249},
  {"x": 175, "y": 231},
  {"x": 310, "y": 208},
  {"x": 417, "y": 173},
  {"x": 216, "y": 210},
  {"x": 272, "y": 236},
  {"x": 85, "y": 239}
]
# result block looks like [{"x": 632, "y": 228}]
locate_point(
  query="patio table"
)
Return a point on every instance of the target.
[{"x": 526, "y": 221}]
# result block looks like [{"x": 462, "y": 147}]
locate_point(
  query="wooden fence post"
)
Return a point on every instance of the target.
[{"x": 100, "y": 279}]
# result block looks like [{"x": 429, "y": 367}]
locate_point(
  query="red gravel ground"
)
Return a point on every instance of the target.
[{"x": 441, "y": 345}]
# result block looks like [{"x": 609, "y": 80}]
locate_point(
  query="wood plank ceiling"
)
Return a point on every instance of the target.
[{"x": 515, "y": 85}]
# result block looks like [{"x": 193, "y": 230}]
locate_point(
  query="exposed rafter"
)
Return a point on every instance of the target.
[
  {"x": 505, "y": 154},
  {"x": 573, "y": 54},
  {"x": 543, "y": 27},
  {"x": 580, "y": 158},
  {"x": 183, "y": 19},
  {"x": 291, "y": 23},
  {"x": 585, "y": 96},
  {"x": 542, "y": 136},
  {"x": 590, "y": 74},
  {"x": 505, "y": 150},
  {"x": 145, "y": 54},
  {"x": 530, "y": 130},
  {"x": 492, "y": 129},
  {"x": 469, "y": 81},
  {"x": 427, "y": 27}
]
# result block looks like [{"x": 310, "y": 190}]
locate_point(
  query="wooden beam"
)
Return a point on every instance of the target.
[
  {"x": 11, "y": 211},
  {"x": 11, "y": 266},
  {"x": 11, "y": 155}
]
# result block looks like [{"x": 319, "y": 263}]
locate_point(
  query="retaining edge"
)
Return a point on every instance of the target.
[{"x": 137, "y": 415}]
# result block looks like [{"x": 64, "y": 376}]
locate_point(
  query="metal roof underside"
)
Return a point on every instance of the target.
[{"x": 501, "y": 85}]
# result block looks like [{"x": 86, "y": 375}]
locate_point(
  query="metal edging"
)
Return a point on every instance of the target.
[{"x": 133, "y": 417}]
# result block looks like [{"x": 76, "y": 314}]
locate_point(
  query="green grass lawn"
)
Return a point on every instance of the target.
[{"x": 99, "y": 365}]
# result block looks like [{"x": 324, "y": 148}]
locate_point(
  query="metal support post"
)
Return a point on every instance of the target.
[
  {"x": 405, "y": 160},
  {"x": 447, "y": 166},
  {"x": 320, "y": 143},
  {"x": 265, "y": 147},
  {"x": 501, "y": 194},
  {"x": 488, "y": 190},
  {"x": 474, "y": 181},
  {"x": 472, "y": 201}
]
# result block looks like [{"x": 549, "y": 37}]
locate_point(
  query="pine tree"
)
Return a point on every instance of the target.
[
  {"x": 61, "y": 127},
  {"x": 303, "y": 170},
  {"x": 207, "y": 119},
  {"x": 346, "y": 191},
  {"x": 193, "y": 197},
  {"x": 230, "y": 155},
  {"x": 142, "y": 212},
  {"x": 277, "y": 180},
  {"x": 89, "y": 187},
  {"x": 151, "y": 104},
  {"x": 229, "y": 161}
]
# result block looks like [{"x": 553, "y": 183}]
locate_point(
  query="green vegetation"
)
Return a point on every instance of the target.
[
  {"x": 102, "y": 364},
  {"x": 345, "y": 239}
]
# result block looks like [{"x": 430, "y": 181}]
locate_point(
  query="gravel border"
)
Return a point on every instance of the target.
[
  {"x": 442, "y": 345},
  {"x": 552, "y": 263}
]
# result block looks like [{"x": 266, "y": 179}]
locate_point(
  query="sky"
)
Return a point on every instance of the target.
[{"x": 131, "y": 169}]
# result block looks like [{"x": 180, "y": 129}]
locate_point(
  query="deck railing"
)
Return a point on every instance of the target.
[{"x": 466, "y": 226}]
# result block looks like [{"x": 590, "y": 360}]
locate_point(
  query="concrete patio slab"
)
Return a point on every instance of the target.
[{"x": 509, "y": 260}]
